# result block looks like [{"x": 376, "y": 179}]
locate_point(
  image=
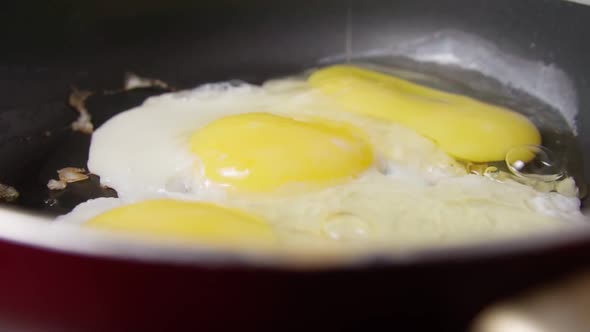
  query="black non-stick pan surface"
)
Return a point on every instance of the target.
[{"x": 49, "y": 48}]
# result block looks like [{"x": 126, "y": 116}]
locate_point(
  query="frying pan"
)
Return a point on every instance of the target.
[{"x": 74, "y": 281}]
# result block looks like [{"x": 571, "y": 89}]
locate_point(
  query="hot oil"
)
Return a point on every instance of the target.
[{"x": 558, "y": 137}]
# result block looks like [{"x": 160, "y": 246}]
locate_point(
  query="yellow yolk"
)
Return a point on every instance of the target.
[
  {"x": 189, "y": 221},
  {"x": 261, "y": 152},
  {"x": 463, "y": 127}
]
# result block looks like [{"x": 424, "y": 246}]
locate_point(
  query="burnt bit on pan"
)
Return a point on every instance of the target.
[
  {"x": 77, "y": 100},
  {"x": 8, "y": 193},
  {"x": 133, "y": 81},
  {"x": 67, "y": 175}
]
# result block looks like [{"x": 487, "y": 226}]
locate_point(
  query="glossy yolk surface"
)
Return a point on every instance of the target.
[
  {"x": 463, "y": 127},
  {"x": 183, "y": 220},
  {"x": 261, "y": 152}
]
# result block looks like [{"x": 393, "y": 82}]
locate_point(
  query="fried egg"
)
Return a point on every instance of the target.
[{"x": 347, "y": 158}]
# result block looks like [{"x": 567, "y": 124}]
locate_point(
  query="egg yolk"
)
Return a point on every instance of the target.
[
  {"x": 189, "y": 221},
  {"x": 261, "y": 152},
  {"x": 465, "y": 128}
]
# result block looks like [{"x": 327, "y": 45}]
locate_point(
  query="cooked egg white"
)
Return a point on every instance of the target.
[{"x": 303, "y": 166}]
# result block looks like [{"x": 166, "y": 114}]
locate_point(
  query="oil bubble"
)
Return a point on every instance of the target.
[{"x": 535, "y": 162}]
